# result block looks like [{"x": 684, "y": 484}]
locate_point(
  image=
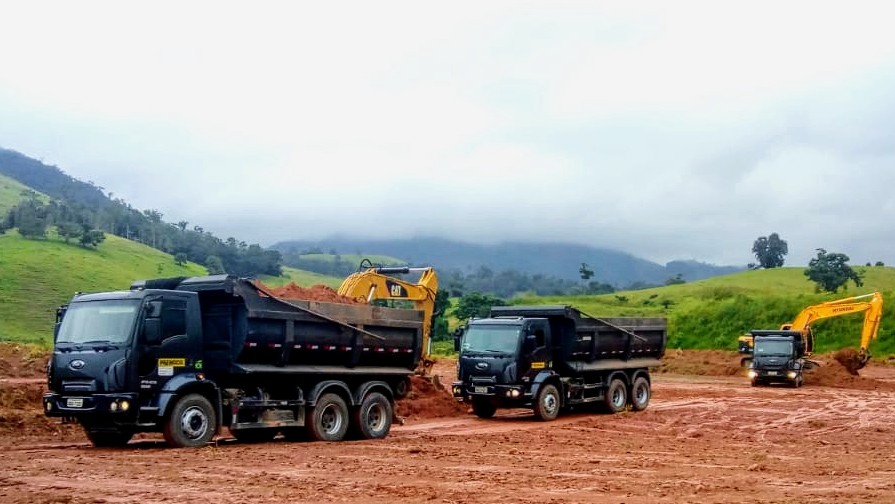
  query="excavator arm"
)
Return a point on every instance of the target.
[{"x": 374, "y": 283}]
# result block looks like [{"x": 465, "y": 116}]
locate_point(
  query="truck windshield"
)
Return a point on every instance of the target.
[
  {"x": 491, "y": 338},
  {"x": 773, "y": 347},
  {"x": 109, "y": 321}
]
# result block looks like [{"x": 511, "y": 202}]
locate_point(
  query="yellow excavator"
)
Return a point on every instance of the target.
[
  {"x": 870, "y": 304},
  {"x": 371, "y": 283}
]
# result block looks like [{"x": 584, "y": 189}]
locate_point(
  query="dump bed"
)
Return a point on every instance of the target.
[
  {"x": 247, "y": 329},
  {"x": 585, "y": 343}
]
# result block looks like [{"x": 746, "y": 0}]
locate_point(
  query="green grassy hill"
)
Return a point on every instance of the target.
[
  {"x": 712, "y": 313},
  {"x": 11, "y": 194},
  {"x": 36, "y": 276}
]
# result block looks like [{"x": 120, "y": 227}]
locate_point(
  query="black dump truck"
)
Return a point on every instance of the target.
[
  {"x": 188, "y": 356},
  {"x": 552, "y": 358},
  {"x": 778, "y": 357}
]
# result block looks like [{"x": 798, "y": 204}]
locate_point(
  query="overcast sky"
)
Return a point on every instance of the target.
[{"x": 671, "y": 130}]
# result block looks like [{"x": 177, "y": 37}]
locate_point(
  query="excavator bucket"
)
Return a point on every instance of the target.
[{"x": 852, "y": 360}]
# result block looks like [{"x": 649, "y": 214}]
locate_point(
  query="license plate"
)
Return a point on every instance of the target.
[
  {"x": 481, "y": 390},
  {"x": 74, "y": 402},
  {"x": 772, "y": 373}
]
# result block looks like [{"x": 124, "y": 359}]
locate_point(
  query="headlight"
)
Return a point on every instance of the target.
[
  {"x": 125, "y": 405},
  {"x": 113, "y": 406},
  {"x": 48, "y": 405},
  {"x": 752, "y": 373},
  {"x": 791, "y": 375}
]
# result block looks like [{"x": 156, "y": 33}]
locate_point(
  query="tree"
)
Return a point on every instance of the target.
[
  {"x": 770, "y": 250},
  {"x": 91, "y": 238},
  {"x": 676, "y": 280},
  {"x": 831, "y": 271},
  {"x": 214, "y": 265},
  {"x": 475, "y": 304},
  {"x": 879, "y": 263},
  {"x": 69, "y": 230},
  {"x": 586, "y": 273},
  {"x": 180, "y": 259}
]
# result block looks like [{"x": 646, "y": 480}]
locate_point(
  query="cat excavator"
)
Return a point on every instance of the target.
[
  {"x": 372, "y": 283},
  {"x": 870, "y": 304}
]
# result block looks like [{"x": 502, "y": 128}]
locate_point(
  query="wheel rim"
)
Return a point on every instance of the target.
[
  {"x": 376, "y": 417},
  {"x": 618, "y": 397},
  {"x": 194, "y": 423},
  {"x": 331, "y": 419},
  {"x": 549, "y": 403},
  {"x": 641, "y": 395}
]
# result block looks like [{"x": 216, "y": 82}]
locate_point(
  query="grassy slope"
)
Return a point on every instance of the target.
[
  {"x": 36, "y": 276},
  {"x": 302, "y": 278},
  {"x": 712, "y": 313},
  {"x": 10, "y": 194}
]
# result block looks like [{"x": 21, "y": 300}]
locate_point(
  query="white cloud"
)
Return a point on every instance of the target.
[{"x": 679, "y": 130}]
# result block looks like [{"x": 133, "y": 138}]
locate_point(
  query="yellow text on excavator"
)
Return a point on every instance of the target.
[{"x": 371, "y": 283}]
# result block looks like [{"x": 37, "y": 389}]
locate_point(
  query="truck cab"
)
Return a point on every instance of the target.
[
  {"x": 117, "y": 357},
  {"x": 777, "y": 357}
]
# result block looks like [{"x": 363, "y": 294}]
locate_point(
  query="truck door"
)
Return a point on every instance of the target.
[
  {"x": 536, "y": 347},
  {"x": 168, "y": 349}
]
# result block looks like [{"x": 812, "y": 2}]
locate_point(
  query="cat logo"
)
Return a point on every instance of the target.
[{"x": 395, "y": 289}]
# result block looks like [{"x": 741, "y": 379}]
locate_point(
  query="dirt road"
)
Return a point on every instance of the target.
[{"x": 703, "y": 439}]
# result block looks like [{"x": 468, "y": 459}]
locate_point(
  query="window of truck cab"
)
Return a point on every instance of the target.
[{"x": 106, "y": 321}]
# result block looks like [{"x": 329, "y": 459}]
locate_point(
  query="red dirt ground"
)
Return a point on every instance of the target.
[{"x": 706, "y": 437}]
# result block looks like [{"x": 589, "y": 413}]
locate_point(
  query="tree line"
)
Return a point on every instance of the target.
[
  {"x": 87, "y": 225},
  {"x": 829, "y": 271}
]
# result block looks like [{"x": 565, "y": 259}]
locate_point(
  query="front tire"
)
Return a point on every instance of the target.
[
  {"x": 616, "y": 397},
  {"x": 483, "y": 409},
  {"x": 373, "y": 419},
  {"x": 328, "y": 420},
  {"x": 107, "y": 439},
  {"x": 547, "y": 403},
  {"x": 192, "y": 422},
  {"x": 640, "y": 394}
]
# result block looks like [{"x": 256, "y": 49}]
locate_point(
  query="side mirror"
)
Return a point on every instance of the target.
[
  {"x": 152, "y": 331},
  {"x": 458, "y": 335}
]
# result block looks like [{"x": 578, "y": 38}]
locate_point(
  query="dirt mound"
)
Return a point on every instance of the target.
[
  {"x": 21, "y": 413},
  {"x": 429, "y": 399},
  {"x": 22, "y": 361},
  {"x": 702, "y": 363},
  {"x": 312, "y": 293}
]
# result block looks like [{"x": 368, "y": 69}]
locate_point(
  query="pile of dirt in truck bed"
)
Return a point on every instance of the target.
[
  {"x": 312, "y": 293},
  {"x": 429, "y": 399},
  {"x": 22, "y": 361},
  {"x": 702, "y": 363}
]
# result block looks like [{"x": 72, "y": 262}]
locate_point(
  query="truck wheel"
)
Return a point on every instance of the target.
[
  {"x": 328, "y": 420},
  {"x": 483, "y": 408},
  {"x": 107, "y": 439},
  {"x": 547, "y": 403},
  {"x": 616, "y": 397},
  {"x": 373, "y": 419},
  {"x": 191, "y": 423},
  {"x": 402, "y": 389},
  {"x": 640, "y": 394}
]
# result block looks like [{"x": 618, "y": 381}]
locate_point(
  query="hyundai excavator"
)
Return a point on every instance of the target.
[
  {"x": 779, "y": 355},
  {"x": 371, "y": 283}
]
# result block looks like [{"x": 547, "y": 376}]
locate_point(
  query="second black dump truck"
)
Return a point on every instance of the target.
[
  {"x": 188, "y": 356},
  {"x": 552, "y": 358}
]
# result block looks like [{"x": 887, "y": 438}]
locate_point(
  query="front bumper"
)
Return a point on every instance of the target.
[
  {"x": 466, "y": 392},
  {"x": 776, "y": 375},
  {"x": 120, "y": 407}
]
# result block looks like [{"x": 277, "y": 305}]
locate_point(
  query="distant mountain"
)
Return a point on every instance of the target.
[{"x": 555, "y": 259}]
